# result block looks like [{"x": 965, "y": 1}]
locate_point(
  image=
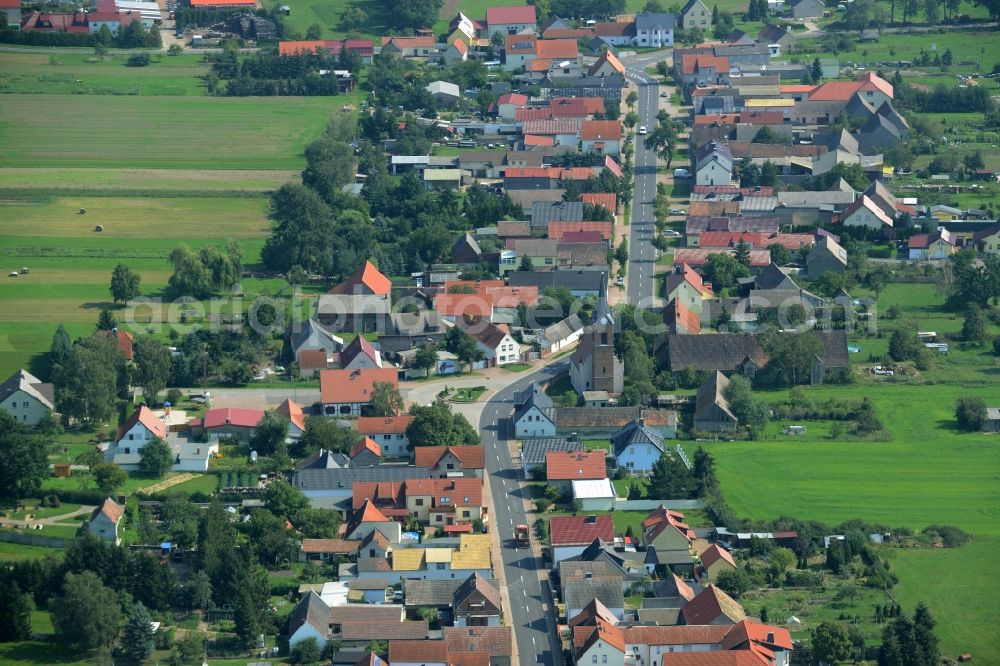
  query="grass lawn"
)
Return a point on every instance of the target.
[
  {"x": 516, "y": 367},
  {"x": 91, "y": 181},
  {"x": 74, "y": 74},
  {"x": 160, "y": 132},
  {"x": 591, "y": 444},
  {"x": 15, "y": 551},
  {"x": 203, "y": 483},
  {"x": 468, "y": 394}
]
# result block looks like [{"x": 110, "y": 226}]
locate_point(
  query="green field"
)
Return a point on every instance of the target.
[
  {"x": 113, "y": 182},
  {"x": 66, "y": 73},
  {"x": 159, "y": 132}
]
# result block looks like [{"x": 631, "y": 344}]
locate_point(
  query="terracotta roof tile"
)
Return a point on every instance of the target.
[
  {"x": 575, "y": 465},
  {"x": 383, "y": 425},
  {"x": 147, "y": 418},
  {"x": 580, "y": 530},
  {"x": 353, "y": 386}
]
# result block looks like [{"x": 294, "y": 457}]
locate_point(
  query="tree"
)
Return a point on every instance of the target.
[
  {"x": 437, "y": 425},
  {"x": 734, "y": 582},
  {"x": 830, "y": 641},
  {"x": 904, "y": 344},
  {"x": 877, "y": 279},
  {"x": 970, "y": 413},
  {"x": 152, "y": 363},
  {"x": 663, "y": 138},
  {"x": 631, "y": 99},
  {"x": 925, "y": 640},
  {"x": 817, "y": 70},
  {"x": 23, "y": 459},
  {"x": 670, "y": 478},
  {"x": 124, "y": 284},
  {"x": 305, "y": 652},
  {"x": 138, "y": 641},
  {"x": 198, "y": 591},
  {"x": 386, "y": 400},
  {"x": 317, "y": 523},
  {"x": 283, "y": 499},
  {"x": 61, "y": 348},
  {"x": 106, "y": 321},
  {"x": 190, "y": 276},
  {"x": 751, "y": 411},
  {"x": 526, "y": 264},
  {"x": 780, "y": 254},
  {"x": 15, "y": 611},
  {"x": 974, "y": 327},
  {"x": 353, "y": 18},
  {"x": 108, "y": 477},
  {"x": 323, "y": 433},
  {"x": 269, "y": 433},
  {"x": 175, "y": 49},
  {"x": 426, "y": 358},
  {"x": 741, "y": 252},
  {"x": 723, "y": 270},
  {"x": 155, "y": 457},
  {"x": 767, "y": 135},
  {"x": 88, "y": 383},
  {"x": 87, "y": 614},
  {"x": 467, "y": 351},
  {"x": 782, "y": 558}
]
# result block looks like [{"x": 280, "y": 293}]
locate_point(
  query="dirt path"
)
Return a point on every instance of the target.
[{"x": 166, "y": 483}]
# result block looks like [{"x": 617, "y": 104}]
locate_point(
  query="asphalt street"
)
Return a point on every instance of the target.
[
  {"x": 642, "y": 254},
  {"x": 530, "y": 611}
]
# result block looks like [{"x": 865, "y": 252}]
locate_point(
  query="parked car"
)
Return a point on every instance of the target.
[
  {"x": 671, "y": 233},
  {"x": 620, "y": 281},
  {"x": 642, "y": 129},
  {"x": 682, "y": 173},
  {"x": 664, "y": 94},
  {"x": 677, "y": 211}
]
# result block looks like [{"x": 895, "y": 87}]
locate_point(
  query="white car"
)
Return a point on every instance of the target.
[
  {"x": 664, "y": 94},
  {"x": 672, "y": 233},
  {"x": 642, "y": 129},
  {"x": 620, "y": 281},
  {"x": 677, "y": 211}
]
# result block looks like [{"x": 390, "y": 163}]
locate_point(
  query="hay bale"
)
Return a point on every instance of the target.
[{"x": 99, "y": 228}]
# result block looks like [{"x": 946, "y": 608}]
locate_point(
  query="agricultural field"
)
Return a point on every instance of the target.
[{"x": 75, "y": 74}]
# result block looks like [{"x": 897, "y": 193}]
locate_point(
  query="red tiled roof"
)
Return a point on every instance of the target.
[
  {"x": 146, "y": 417},
  {"x": 581, "y": 237},
  {"x": 918, "y": 241},
  {"x": 600, "y": 631},
  {"x": 408, "y": 42},
  {"x": 610, "y": 59},
  {"x": 833, "y": 91},
  {"x": 695, "y": 63},
  {"x": 762, "y": 117},
  {"x": 308, "y": 46},
  {"x": 554, "y": 126},
  {"x": 714, "y": 658},
  {"x": 580, "y": 530},
  {"x": 720, "y": 118},
  {"x": 223, "y": 416},
  {"x": 714, "y": 553},
  {"x": 677, "y": 635},
  {"x": 383, "y": 425},
  {"x": 870, "y": 80},
  {"x": 510, "y": 14},
  {"x": 575, "y": 465},
  {"x": 124, "y": 340},
  {"x": 591, "y": 105},
  {"x": 513, "y": 229},
  {"x": 470, "y": 457},
  {"x": 458, "y": 528},
  {"x": 591, "y": 612},
  {"x": 568, "y": 33},
  {"x": 339, "y": 546},
  {"x": 353, "y": 386},
  {"x": 710, "y": 603},
  {"x": 459, "y": 305},
  {"x": 293, "y": 413},
  {"x": 517, "y": 99},
  {"x": 680, "y": 318},
  {"x": 386, "y": 494},
  {"x": 366, "y": 444},
  {"x": 764, "y": 191},
  {"x": 534, "y": 140},
  {"x": 313, "y": 359},
  {"x": 765, "y": 634},
  {"x": 486, "y": 641},
  {"x": 662, "y": 518},
  {"x": 797, "y": 88},
  {"x": 519, "y": 44},
  {"x": 419, "y": 652},
  {"x": 110, "y": 508},
  {"x": 595, "y": 130},
  {"x": 368, "y": 276},
  {"x": 607, "y": 199},
  {"x": 460, "y": 46},
  {"x": 695, "y": 256},
  {"x": 758, "y": 239},
  {"x": 222, "y": 3},
  {"x": 557, "y": 49},
  {"x": 559, "y": 228}
]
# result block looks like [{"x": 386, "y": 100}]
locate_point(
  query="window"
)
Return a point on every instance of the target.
[
  {"x": 450, "y": 466},
  {"x": 419, "y": 501},
  {"x": 465, "y": 514},
  {"x": 604, "y": 659},
  {"x": 131, "y": 437},
  {"x": 25, "y": 404},
  {"x": 445, "y": 500},
  {"x": 594, "y": 659},
  {"x": 128, "y": 449}
]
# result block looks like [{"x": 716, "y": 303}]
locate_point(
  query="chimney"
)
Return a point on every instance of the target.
[
  {"x": 573, "y": 437},
  {"x": 642, "y": 422}
]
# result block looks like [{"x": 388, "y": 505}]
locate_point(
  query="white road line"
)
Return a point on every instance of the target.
[{"x": 524, "y": 592}]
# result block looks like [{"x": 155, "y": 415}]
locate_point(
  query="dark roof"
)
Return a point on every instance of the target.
[
  {"x": 578, "y": 592},
  {"x": 771, "y": 34},
  {"x": 834, "y": 348},
  {"x": 610, "y": 417},
  {"x": 310, "y": 610},
  {"x": 635, "y": 432},
  {"x": 710, "y": 605},
  {"x": 543, "y": 212},
  {"x": 24, "y": 380},
  {"x": 657, "y": 21},
  {"x": 533, "y": 450},
  {"x": 578, "y": 280},
  {"x": 485, "y": 586},
  {"x": 601, "y": 553},
  {"x": 324, "y": 459},
  {"x": 528, "y": 397},
  {"x": 333, "y": 479},
  {"x": 431, "y": 592},
  {"x": 712, "y": 392},
  {"x": 772, "y": 277},
  {"x": 723, "y": 351}
]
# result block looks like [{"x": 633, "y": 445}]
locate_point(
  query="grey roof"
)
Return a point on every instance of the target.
[
  {"x": 712, "y": 392},
  {"x": 530, "y": 396},
  {"x": 635, "y": 432},
  {"x": 314, "y": 336},
  {"x": 690, "y": 4},
  {"x": 486, "y": 586},
  {"x": 431, "y": 592},
  {"x": 543, "y": 212},
  {"x": 756, "y": 204},
  {"x": 562, "y": 329},
  {"x": 424, "y": 322},
  {"x": 814, "y": 199},
  {"x": 772, "y": 277},
  {"x": 536, "y": 247},
  {"x": 25, "y": 381},
  {"x": 310, "y": 610},
  {"x": 752, "y": 223},
  {"x": 601, "y": 552},
  {"x": 578, "y": 280},
  {"x": 712, "y": 150},
  {"x": 878, "y": 121},
  {"x": 367, "y": 584},
  {"x": 336, "y": 304},
  {"x": 771, "y": 34},
  {"x": 657, "y": 21},
  {"x": 578, "y": 592},
  {"x": 324, "y": 459},
  {"x": 533, "y": 450},
  {"x": 894, "y": 116},
  {"x": 723, "y": 351},
  {"x": 344, "y": 479},
  {"x": 993, "y": 413}
]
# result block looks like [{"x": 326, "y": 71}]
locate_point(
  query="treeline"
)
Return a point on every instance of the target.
[
  {"x": 270, "y": 75},
  {"x": 944, "y": 99},
  {"x": 134, "y": 36}
]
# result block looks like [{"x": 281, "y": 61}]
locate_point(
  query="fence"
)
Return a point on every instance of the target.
[
  {"x": 649, "y": 505},
  {"x": 683, "y": 456},
  {"x": 33, "y": 540}
]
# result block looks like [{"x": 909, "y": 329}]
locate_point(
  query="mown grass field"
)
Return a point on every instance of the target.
[
  {"x": 113, "y": 182},
  {"x": 159, "y": 132}
]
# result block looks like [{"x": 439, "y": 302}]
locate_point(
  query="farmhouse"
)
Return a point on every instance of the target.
[
  {"x": 349, "y": 392},
  {"x": 26, "y": 398}
]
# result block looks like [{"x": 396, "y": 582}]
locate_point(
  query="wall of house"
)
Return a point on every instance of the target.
[
  {"x": 602, "y": 653},
  {"x": 25, "y": 409},
  {"x": 534, "y": 424},
  {"x": 343, "y": 408},
  {"x": 638, "y": 458},
  {"x": 598, "y": 504},
  {"x": 102, "y": 528},
  {"x": 241, "y": 433},
  {"x": 717, "y": 567},
  {"x": 560, "y": 553},
  {"x": 305, "y": 632}
]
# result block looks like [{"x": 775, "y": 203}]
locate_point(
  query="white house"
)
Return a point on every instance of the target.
[
  {"x": 511, "y": 20},
  {"x": 26, "y": 398},
  {"x": 713, "y": 164},
  {"x": 601, "y": 136},
  {"x": 601, "y": 643},
  {"x": 560, "y": 335},
  {"x": 495, "y": 340},
  {"x": 866, "y": 213},
  {"x": 636, "y": 447},
  {"x": 594, "y": 494},
  {"x": 530, "y": 417},
  {"x": 104, "y": 520},
  {"x": 309, "y": 619},
  {"x": 389, "y": 432},
  {"x": 654, "y": 30},
  {"x": 509, "y": 103},
  {"x": 140, "y": 429}
]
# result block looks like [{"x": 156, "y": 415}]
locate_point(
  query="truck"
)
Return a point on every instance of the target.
[{"x": 520, "y": 536}]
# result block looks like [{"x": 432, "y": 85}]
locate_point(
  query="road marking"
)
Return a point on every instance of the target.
[{"x": 524, "y": 591}]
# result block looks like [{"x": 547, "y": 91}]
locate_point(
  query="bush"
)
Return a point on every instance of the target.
[
  {"x": 542, "y": 504},
  {"x": 970, "y": 413},
  {"x": 138, "y": 60},
  {"x": 951, "y": 537}
]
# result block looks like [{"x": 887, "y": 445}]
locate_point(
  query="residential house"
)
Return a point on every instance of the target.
[
  {"x": 714, "y": 164},
  {"x": 669, "y": 596},
  {"x": 296, "y": 418},
  {"x": 434, "y": 502},
  {"x": 873, "y": 89},
  {"x": 570, "y": 535},
  {"x": 330, "y": 486},
  {"x": 122, "y": 338},
  {"x": 389, "y": 432},
  {"x": 632, "y": 565},
  {"x": 594, "y": 494},
  {"x": 545, "y": 212},
  {"x": 465, "y": 251},
  {"x": 359, "y": 304},
  {"x": 27, "y": 398},
  {"x": 435, "y": 563},
  {"x": 654, "y": 30},
  {"x": 827, "y": 255},
  {"x": 579, "y": 591},
  {"x": 371, "y": 590},
  {"x": 594, "y": 366},
  {"x": 696, "y": 14},
  {"x": 555, "y": 59},
  {"x": 534, "y": 451},
  {"x": 327, "y": 550},
  {"x": 715, "y": 560},
  {"x": 686, "y": 286},
  {"x": 104, "y": 520},
  {"x": 636, "y": 448},
  {"x": 495, "y": 341},
  {"x": 560, "y": 336},
  {"x": 237, "y": 423},
  {"x": 309, "y": 620},
  {"x": 315, "y": 348},
  {"x": 880, "y": 132},
  {"x": 357, "y": 625},
  {"x": 359, "y": 354},
  {"x": 457, "y": 51},
  {"x": 601, "y": 136},
  {"x": 365, "y": 453},
  {"x": 866, "y": 213},
  {"x": 508, "y": 105},
  {"x": 712, "y": 412},
  {"x": 607, "y": 65},
  {"x": 413, "y": 653},
  {"x": 518, "y": 51},
  {"x": 449, "y": 461},
  {"x": 712, "y": 606},
  {"x": 680, "y": 320},
  {"x": 476, "y": 603},
  {"x": 467, "y": 645},
  {"x": 564, "y": 467},
  {"x": 138, "y": 430},
  {"x": 324, "y": 459},
  {"x": 699, "y": 256},
  {"x": 666, "y": 531},
  {"x": 933, "y": 246},
  {"x": 771, "y": 34},
  {"x": 367, "y": 519},
  {"x": 701, "y": 70},
  {"x": 409, "y": 47},
  {"x": 619, "y": 33},
  {"x": 349, "y": 392},
  {"x": 802, "y": 9},
  {"x": 602, "y": 643},
  {"x": 987, "y": 240},
  {"x": 11, "y": 9},
  {"x": 510, "y": 20},
  {"x": 580, "y": 283},
  {"x": 530, "y": 418}
]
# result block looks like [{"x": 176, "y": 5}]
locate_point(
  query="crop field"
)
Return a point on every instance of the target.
[
  {"x": 137, "y": 182},
  {"x": 74, "y": 74},
  {"x": 159, "y": 132}
]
